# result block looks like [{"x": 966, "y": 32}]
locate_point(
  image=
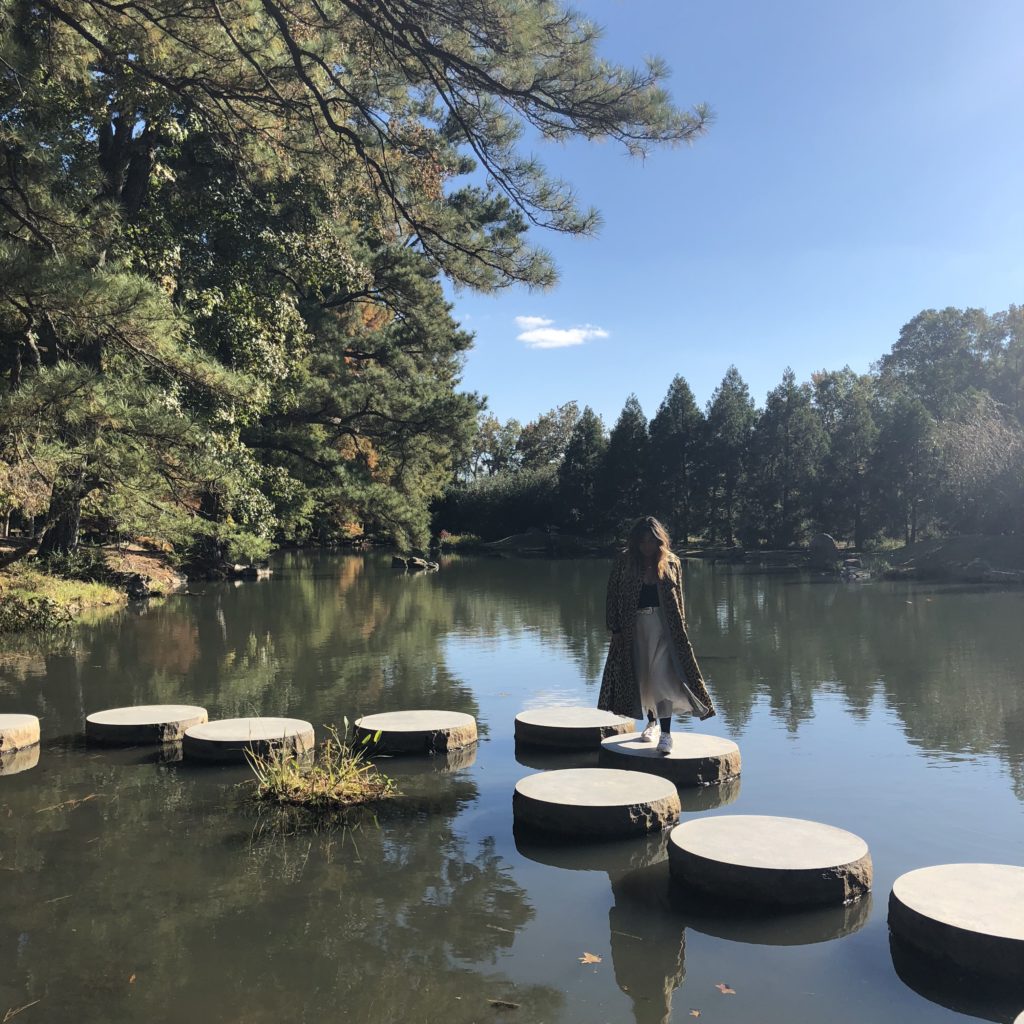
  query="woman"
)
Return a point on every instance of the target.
[{"x": 651, "y": 668}]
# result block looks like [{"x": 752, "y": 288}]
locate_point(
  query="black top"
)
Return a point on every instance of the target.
[{"x": 648, "y": 596}]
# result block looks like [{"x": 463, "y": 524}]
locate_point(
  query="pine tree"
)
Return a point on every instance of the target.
[
  {"x": 625, "y": 462},
  {"x": 579, "y": 475},
  {"x": 676, "y": 433},
  {"x": 729, "y": 423},
  {"x": 786, "y": 448},
  {"x": 845, "y": 404}
]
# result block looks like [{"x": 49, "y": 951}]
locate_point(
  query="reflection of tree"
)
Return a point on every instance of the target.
[
  {"x": 165, "y": 891},
  {"x": 942, "y": 658}
]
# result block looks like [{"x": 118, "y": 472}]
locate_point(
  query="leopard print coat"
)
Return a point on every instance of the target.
[{"x": 620, "y": 693}]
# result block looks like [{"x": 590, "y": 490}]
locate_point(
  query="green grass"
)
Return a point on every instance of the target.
[
  {"x": 338, "y": 776},
  {"x": 32, "y": 600}
]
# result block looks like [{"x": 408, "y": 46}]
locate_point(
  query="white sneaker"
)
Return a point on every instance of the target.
[
  {"x": 652, "y": 730},
  {"x": 665, "y": 743}
]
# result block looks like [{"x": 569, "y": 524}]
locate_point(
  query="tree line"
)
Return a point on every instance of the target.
[
  {"x": 223, "y": 234},
  {"x": 931, "y": 441}
]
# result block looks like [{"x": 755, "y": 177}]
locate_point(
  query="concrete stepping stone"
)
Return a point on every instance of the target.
[
  {"x": 416, "y": 732},
  {"x": 763, "y": 859},
  {"x": 696, "y": 759},
  {"x": 569, "y": 728},
  {"x": 595, "y": 803},
  {"x": 968, "y": 915},
  {"x": 18, "y": 732},
  {"x": 14, "y": 761},
  {"x": 144, "y": 724},
  {"x": 230, "y": 738}
]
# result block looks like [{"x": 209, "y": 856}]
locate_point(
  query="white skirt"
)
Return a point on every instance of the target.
[{"x": 661, "y": 690}]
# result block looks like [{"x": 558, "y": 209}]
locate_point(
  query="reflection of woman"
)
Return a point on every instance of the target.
[
  {"x": 647, "y": 942},
  {"x": 651, "y": 667}
]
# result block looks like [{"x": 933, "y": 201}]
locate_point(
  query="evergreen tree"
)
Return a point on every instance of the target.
[
  {"x": 579, "y": 475},
  {"x": 845, "y": 403},
  {"x": 625, "y": 463},
  {"x": 904, "y": 467},
  {"x": 676, "y": 435},
  {"x": 786, "y": 449},
  {"x": 729, "y": 423},
  {"x": 223, "y": 232}
]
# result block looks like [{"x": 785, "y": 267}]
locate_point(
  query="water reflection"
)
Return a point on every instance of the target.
[
  {"x": 136, "y": 887},
  {"x": 940, "y": 983},
  {"x": 647, "y": 941},
  {"x": 768, "y": 926}
]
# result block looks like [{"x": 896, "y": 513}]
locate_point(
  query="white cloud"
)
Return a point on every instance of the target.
[{"x": 538, "y": 333}]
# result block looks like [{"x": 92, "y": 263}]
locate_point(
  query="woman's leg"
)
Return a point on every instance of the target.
[{"x": 664, "y": 710}]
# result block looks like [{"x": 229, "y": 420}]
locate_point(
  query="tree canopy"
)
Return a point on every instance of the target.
[{"x": 223, "y": 234}]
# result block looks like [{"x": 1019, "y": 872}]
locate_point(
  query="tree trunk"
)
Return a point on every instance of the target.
[
  {"x": 65, "y": 513},
  {"x": 61, "y": 537}
]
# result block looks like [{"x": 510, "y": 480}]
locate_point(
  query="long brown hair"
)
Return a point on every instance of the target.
[{"x": 643, "y": 526}]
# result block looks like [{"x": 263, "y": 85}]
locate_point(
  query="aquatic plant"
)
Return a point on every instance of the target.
[{"x": 338, "y": 775}]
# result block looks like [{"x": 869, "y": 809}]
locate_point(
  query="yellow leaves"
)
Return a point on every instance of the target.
[
  {"x": 590, "y": 958},
  {"x": 725, "y": 989}
]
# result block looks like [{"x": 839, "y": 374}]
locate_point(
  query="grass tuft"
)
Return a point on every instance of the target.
[{"x": 339, "y": 775}]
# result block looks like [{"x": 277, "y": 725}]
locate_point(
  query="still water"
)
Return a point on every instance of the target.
[{"x": 134, "y": 887}]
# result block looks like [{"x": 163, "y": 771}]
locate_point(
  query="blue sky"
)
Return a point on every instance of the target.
[{"x": 865, "y": 163}]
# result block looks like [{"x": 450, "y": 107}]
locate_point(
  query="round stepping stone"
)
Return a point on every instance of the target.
[
  {"x": 147, "y": 723},
  {"x": 595, "y": 802},
  {"x": 770, "y": 860},
  {"x": 18, "y": 731},
  {"x": 696, "y": 759},
  {"x": 569, "y": 728},
  {"x": 416, "y": 732},
  {"x": 14, "y": 761},
  {"x": 971, "y": 915},
  {"x": 230, "y": 738}
]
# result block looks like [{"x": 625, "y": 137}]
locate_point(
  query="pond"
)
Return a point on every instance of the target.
[{"x": 137, "y": 887}]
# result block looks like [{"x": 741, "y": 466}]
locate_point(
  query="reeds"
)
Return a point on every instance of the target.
[{"x": 338, "y": 775}]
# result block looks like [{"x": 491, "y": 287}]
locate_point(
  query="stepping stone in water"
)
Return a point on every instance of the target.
[
  {"x": 695, "y": 760},
  {"x": 18, "y": 732},
  {"x": 147, "y": 723},
  {"x": 416, "y": 732},
  {"x": 14, "y": 761},
  {"x": 229, "y": 738},
  {"x": 595, "y": 803},
  {"x": 569, "y": 728},
  {"x": 765, "y": 859},
  {"x": 968, "y": 915}
]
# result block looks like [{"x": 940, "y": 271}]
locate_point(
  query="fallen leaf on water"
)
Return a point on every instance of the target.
[
  {"x": 131, "y": 980},
  {"x": 695, "y": 1013},
  {"x": 589, "y": 958},
  {"x": 725, "y": 989},
  {"x": 503, "y": 1004}
]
